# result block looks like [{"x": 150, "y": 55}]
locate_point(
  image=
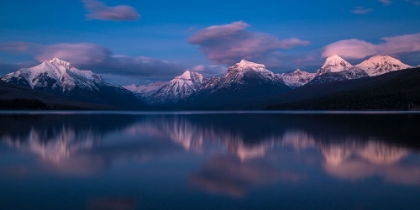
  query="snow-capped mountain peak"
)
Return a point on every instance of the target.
[
  {"x": 248, "y": 69},
  {"x": 297, "y": 71},
  {"x": 297, "y": 78},
  {"x": 381, "y": 64},
  {"x": 177, "y": 89},
  {"x": 185, "y": 75},
  {"x": 244, "y": 64},
  {"x": 189, "y": 75},
  {"x": 55, "y": 74},
  {"x": 58, "y": 62},
  {"x": 334, "y": 63}
]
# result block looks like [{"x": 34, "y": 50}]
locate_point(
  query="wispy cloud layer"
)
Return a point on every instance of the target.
[
  {"x": 415, "y": 2},
  {"x": 354, "y": 48},
  {"x": 100, "y": 11},
  {"x": 98, "y": 58},
  {"x": 210, "y": 70},
  {"x": 226, "y": 44},
  {"x": 361, "y": 10},
  {"x": 385, "y": 2}
]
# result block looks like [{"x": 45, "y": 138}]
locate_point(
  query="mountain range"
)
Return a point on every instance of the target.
[{"x": 246, "y": 85}]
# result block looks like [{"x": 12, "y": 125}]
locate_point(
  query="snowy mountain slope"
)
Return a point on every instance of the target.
[
  {"x": 380, "y": 64},
  {"x": 145, "y": 90},
  {"x": 353, "y": 73},
  {"x": 61, "y": 78},
  {"x": 297, "y": 78},
  {"x": 175, "y": 90},
  {"x": 334, "y": 64}
]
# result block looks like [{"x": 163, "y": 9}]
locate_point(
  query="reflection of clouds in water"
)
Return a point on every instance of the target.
[
  {"x": 361, "y": 169},
  {"x": 368, "y": 160},
  {"x": 227, "y": 175},
  {"x": 80, "y": 165},
  {"x": 245, "y": 152}
]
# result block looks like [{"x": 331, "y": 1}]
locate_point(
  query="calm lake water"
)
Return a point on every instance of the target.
[{"x": 124, "y": 161}]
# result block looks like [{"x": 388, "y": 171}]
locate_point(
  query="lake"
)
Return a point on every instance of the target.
[{"x": 209, "y": 160}]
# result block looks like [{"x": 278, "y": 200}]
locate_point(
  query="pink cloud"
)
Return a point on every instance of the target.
[
  {"x": 100, "y": 11},
  {"x": 77, "y": 54},
  {"x": 217, "y": 32},
  {"x": 15, "y": 46},
  {"x": 226, "y": 44},
  {"x": 355, "y": 49},
  {"x": 351, "y": 48},
  {"x": 98, "y": 58},
  {"x": 400, "y": 44}
]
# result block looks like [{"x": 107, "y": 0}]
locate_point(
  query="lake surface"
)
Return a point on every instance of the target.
[{"x": 124, "y": 161}]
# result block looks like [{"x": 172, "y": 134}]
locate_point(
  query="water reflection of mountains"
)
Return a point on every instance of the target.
[
  {"x": 243, "y": 134},
  {"x": 254, "y": 129},
  {"x": 56, "y": 136}
]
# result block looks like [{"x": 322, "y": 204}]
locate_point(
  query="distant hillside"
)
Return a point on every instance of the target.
[{"x": 398, "y": 90}]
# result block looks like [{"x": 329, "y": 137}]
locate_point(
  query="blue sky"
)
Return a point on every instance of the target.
[{"x": 144, "y": 41}]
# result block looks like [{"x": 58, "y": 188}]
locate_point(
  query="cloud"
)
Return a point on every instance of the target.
[
  {"x": 230, "y": 176},
  {"x": 227, "y": 44},
  {"x": 415, "y": 2},
  {"x": 385, "y": 2},
  {"x": 210, "y": 70},
  {"x": 15, "y": 46},
  {"x": 77, "y": 54},
  {"x": 361, "y": 10},
  {"x": 100, "y": 11},
  {"x": 99, "y": 59},
  {"x": 356, "y": 49},
  {"x": 351, "y": 48}
]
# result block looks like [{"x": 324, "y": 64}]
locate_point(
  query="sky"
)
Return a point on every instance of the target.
[{"x": 129, "y": 41}]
